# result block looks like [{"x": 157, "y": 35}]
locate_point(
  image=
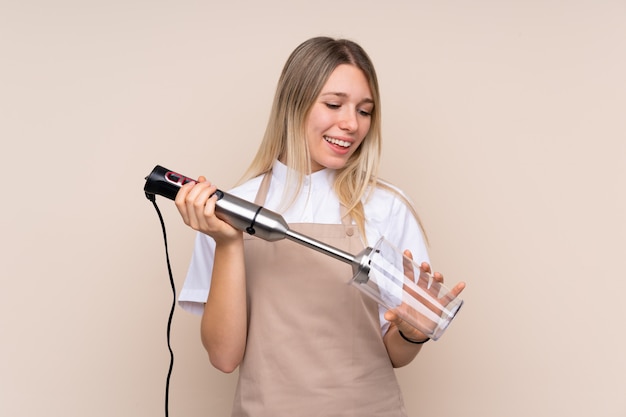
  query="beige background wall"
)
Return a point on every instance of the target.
[{"x": 504, "y": 120}]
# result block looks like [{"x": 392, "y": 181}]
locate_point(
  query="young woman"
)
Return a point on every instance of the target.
[{"x": 305, "y": 342}]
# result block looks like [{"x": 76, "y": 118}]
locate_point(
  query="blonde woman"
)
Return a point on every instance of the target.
[{"x": 305, "y": 343}]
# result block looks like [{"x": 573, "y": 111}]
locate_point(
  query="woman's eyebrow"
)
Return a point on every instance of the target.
[{"x": 344, "y": 95}]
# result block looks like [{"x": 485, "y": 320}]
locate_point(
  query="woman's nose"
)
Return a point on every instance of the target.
[{"x": 348, "y": 121}]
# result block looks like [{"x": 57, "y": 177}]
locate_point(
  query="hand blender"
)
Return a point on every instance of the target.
[
  {"x": 381, "y": 272},
  {"x": 253, "y": 219}
]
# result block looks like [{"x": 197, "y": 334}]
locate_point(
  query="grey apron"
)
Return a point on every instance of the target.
[{"x": 314, "y": 345}]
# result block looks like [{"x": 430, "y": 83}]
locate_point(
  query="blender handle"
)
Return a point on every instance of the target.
[{"x": 241, "y": 214}]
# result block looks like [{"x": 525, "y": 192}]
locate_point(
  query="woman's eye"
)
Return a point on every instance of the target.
[
  {"x": 333, "y": 106},
  {"x": 365, "y": 113}
]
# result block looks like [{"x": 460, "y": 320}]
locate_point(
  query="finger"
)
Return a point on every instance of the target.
[
  {"x": 194, "y": 202},
  {"x": 181, "y": 200},
  {"x": 430, "y": 282},
  {"x": 435, "y": 284},
  {"x": 191, "y": 189},
  {"x": 209, "y": 199},
  {"x": 181, "y": 195},
  {"x": 204, "y": 207},
  {"x": 458, "y": 288},
  {"x": 452, "y": 294},
  {"x": 407, "y": 265},
  {"x": 201, "y": 199},
  {"x": 392, "y": 317},
  {"x": 424, "y": 276}
]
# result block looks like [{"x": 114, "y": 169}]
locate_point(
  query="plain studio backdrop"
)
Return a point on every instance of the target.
[{"x": 503, "y": 120}]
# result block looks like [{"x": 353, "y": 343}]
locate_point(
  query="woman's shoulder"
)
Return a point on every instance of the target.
[
  {"x": 390, "y": 213},
  {"x": 248, "y": 189},
  {"x": 387, "y": 198}
]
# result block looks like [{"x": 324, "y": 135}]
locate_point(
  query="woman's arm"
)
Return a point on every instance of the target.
[
  {"x": 224, "y": 321},
  {"x": 400, "y": 351}
]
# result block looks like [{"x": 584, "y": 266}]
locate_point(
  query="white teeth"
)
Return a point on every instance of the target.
[{"x": 338, "y": 142}]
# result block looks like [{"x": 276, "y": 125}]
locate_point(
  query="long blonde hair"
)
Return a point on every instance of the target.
[{"x": 305, "y": 73}]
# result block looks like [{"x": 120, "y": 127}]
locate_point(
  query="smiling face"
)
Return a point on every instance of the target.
[{"x": 339, "y": 118}]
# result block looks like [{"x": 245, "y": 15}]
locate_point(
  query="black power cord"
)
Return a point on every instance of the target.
[{"x": 152, "y": 198}]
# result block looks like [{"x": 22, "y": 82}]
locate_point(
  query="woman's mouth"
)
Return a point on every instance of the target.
[{"x": 338, "y": 142}]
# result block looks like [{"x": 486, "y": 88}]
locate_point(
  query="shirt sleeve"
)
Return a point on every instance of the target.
[
  {"x": 404, "y": 231},
  {"x": 195, "y": 291},
  {"x": 389, "y": 216}
]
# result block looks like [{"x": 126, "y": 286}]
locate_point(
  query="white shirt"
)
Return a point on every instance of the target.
[{"x": 386, "y": 215}]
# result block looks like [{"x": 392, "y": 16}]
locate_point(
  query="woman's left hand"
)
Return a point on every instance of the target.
[{"x": 429, "y": 283}]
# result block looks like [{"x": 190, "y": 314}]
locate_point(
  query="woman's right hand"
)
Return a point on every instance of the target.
[{"x": 196, "y": 204}]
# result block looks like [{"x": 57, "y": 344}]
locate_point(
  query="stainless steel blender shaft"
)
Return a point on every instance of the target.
[
  {"x": 271, "y": 226},
  {"x": 253, "y": 219}
]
